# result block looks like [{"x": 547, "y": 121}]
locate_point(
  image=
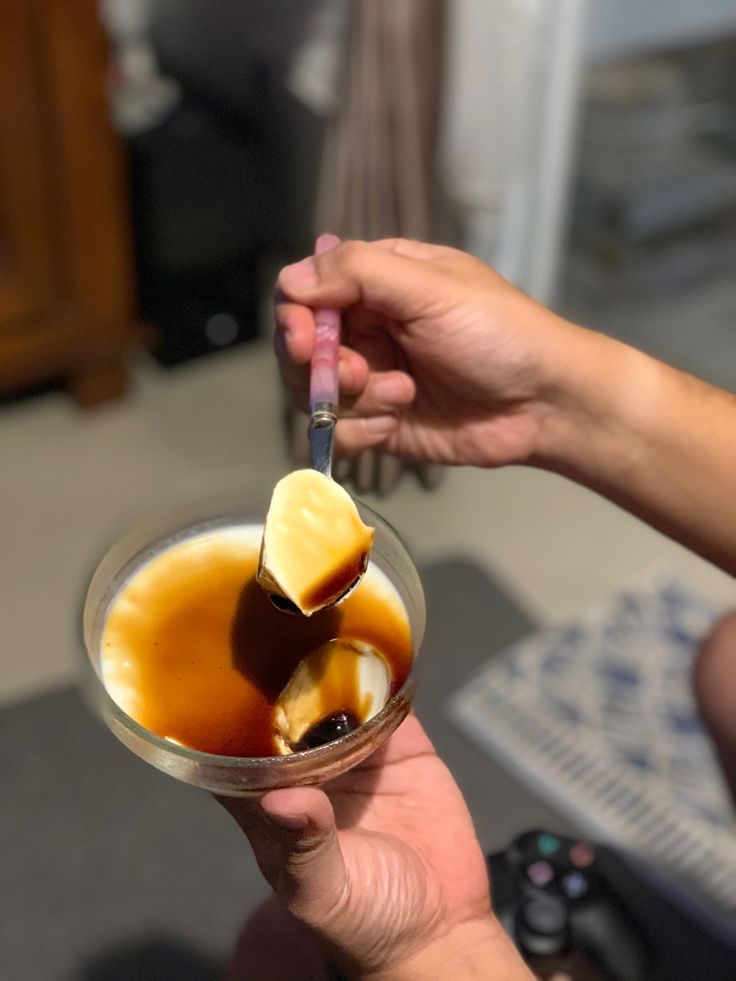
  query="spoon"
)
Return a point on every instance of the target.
[
  {"x": 323, "y": 383},
  {"x": 323, "y": 400},
  {"x": 302, "y": 719}
]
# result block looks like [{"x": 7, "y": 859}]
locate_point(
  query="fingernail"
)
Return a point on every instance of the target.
[{"x": 300, "y": 275}]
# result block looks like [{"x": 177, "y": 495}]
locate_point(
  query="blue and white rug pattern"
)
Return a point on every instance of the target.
[{"x": 598, "y": 716}]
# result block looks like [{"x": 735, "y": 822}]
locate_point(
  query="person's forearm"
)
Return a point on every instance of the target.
[
  {"x": 655, "y": 440},
  {"x": 471, "y": 952}
]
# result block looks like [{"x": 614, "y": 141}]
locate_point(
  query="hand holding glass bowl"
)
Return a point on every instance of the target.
[{"x": 188, "y": 657}]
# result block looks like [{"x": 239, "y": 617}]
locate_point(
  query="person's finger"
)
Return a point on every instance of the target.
[
  {"x": 353, "y": 372},
  {"x": 354, "y": 435},
  {"x": 295, "y": 327},
  {"x": 385, "y": 392},
  {"x": 385, "y": 280},
  {"x": 294, "y": 839},
  {"x": 413, "y": 249},
  {"x": 290, "y": 317}
]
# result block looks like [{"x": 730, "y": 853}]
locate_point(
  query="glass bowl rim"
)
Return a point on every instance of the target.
[{"x": 96, "y": 690}]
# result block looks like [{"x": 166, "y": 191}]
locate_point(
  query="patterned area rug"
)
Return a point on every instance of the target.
[{"x": 599, "y": 717}]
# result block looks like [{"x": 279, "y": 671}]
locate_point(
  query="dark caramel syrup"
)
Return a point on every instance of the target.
[
  {"x": 335, "y": 585},
  {"x": 209, "y": 654}
]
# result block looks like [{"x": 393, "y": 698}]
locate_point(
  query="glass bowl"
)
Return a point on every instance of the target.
[{"x": 207, "y": 507}]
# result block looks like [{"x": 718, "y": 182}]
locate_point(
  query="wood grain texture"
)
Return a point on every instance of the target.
[
  {"x": 26, "y": 278},
  {"x": 66, "y": 284}
]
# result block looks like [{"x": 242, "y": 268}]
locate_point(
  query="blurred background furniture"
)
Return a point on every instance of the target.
[
  {"x": 66, "y": 289},
  {"x": 517, "y": 74},
  {"x": 238, "y": 176},
  {"x": 223, "y": 161},
  {"x": 377, "y": 177},
  {"x": 655, "y": 200}
]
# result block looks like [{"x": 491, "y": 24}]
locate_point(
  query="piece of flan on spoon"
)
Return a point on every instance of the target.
[{"x": 315, "y": 545}]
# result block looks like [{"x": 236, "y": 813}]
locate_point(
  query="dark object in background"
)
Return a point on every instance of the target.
[
  {"x": 554, "y": 901},
  {"x": 201, "y": 194},
  {"x": 152, "y": 960},
  {"x": 223, "y": 188},
  {"x": 582, "y": 910}
]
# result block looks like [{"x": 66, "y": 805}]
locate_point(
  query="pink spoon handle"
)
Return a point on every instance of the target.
[{"x": 323, "y": 385}]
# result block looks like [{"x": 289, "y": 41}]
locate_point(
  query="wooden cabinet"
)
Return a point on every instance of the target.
[{"x": 66, "y": 282}]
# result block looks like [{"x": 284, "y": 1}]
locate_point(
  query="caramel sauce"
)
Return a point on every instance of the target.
[
  {"x": 195, "y": 651},
  {"x": 336, "y": 584}
]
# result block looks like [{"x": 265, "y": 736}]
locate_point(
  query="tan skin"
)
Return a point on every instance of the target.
[
  {"x": 444, "y": 361},
  {"x": 388, "y": 858},
  {"x": 438, "y": 367},
  {"x": 447, "y": 362}
]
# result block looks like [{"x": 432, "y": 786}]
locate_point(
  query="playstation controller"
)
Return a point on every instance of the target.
[{"x": 555, "y": 900}]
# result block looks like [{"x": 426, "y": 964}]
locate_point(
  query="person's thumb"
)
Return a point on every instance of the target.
[
  {"x": 392, "y": 281},
  {"x": 294, "y": 839}
]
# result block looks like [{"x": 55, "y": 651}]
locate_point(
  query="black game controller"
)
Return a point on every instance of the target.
[{"x": 552, "y": 897}]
